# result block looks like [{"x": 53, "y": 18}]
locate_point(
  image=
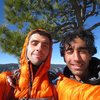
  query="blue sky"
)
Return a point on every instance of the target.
[{"x": 56, "y": 58}]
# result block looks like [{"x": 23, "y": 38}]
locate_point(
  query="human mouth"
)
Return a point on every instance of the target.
[
  {"x": 76, "y": 66},
  {"x": 37, "y": 55}
]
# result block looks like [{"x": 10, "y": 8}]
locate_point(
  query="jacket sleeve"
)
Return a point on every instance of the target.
[
  {"x": 69, "y": 89},
  {"x": 5, "y": 89}
]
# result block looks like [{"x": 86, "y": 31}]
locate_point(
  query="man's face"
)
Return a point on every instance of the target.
[
  {"x": 38, "y": 48},
  {"x": 77, "y": 57}
]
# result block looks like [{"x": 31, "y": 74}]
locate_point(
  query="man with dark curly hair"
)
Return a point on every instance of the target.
[{"x": 77, "y": 48}]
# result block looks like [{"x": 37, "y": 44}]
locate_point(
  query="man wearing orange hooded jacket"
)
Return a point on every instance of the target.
[{"x": 32, "y": 79}]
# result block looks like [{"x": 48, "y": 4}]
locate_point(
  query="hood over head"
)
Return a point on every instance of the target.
[
  {"x": 23, "y": 58},
  {"x": 26, "y": 75}
]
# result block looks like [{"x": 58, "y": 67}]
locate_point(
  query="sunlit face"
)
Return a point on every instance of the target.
[
  {"x": 77, "y": 57},
  {"x": 38, "y": 48}
]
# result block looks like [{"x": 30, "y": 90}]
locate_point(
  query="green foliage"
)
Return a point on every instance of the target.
[
  {"x": 11, "y": 41},
  {"x": 56, "y": 16}
]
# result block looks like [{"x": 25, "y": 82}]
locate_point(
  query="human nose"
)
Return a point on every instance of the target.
[
  {"x": 76, "y": 56},
  {"x": 39, "y": 47}
]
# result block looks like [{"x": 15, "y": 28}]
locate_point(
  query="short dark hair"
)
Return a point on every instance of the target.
[
  {"x": 41, "y": 32},
  {"x": 85, "y": 35}
]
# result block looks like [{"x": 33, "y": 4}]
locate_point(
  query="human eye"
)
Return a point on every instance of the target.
[
  {"x": 34, "y": 43},
  {"x": 45, "y": 45},
  {"x": 83, "y": 50},
  {"x": 69, "y": 51}
]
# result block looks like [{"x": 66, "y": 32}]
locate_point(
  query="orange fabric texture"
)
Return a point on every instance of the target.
[
  {"x": 41, "y": 87},
  {"x": 72, "y": 90},
  {"x": 6, "y": 92}
]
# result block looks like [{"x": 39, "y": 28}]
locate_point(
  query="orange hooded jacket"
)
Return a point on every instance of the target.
[
  {"x": 40, "y": 87},
  {"x": 69, "y": 89}
]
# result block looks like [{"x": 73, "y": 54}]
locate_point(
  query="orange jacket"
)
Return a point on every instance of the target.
[
  {"x": 6, "y": 91},
  {"x": 69, "y": 89},
  {"x": 41, "y": 87}
]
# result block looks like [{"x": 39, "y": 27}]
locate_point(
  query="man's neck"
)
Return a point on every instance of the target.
[
  {"x": 83, "y": 77},
  {"x": 35, "y": 68}
]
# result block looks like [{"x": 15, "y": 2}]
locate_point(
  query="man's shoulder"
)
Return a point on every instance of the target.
[
  {"x": 95, "y": 59},
  {"x": 3, "y": 77},
  {"x": 94, "y": 63},
  {"x": 6, "y": 73}
]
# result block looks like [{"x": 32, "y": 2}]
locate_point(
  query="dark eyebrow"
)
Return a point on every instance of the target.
[
  {"x": 38, "y": 41},
  {"x": 34, "y": 41},
  {"x": 80, "y": 48},
  {"x": 84, "y": 48},
  {"x": 68, "y": 48}
]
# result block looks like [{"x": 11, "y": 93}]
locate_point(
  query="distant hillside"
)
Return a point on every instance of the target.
[
  {"x": 9, "y": 67},
  {"x": 13, "y": 66},
  {"x": 57, "y": 67}
]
